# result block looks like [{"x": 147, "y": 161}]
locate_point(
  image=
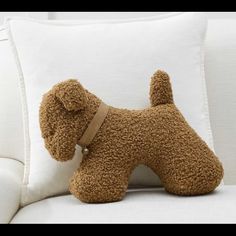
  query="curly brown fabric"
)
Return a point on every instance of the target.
[{"x": 158, "y": 137}]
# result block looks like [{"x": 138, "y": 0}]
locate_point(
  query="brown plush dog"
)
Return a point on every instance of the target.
[{"x": 158, "y": 137}]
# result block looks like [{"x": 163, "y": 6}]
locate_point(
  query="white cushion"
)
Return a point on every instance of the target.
[
  {"x": 11, "y": 174},
  {"x": 220, "y": 66},
  {"x": 11, "y": 130},
  {"x": 145, "y": 206},
  {"x": 115, "y": 60}
]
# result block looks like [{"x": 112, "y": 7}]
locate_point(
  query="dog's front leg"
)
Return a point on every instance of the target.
[{"x": 99, "y": 180}]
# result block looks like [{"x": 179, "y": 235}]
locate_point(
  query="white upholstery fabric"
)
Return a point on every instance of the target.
[
  {"x": 220, "y": 68},
  {"x": 11, "y": 130},
  {"x": 11, "y": 173},
  {"x": 147, "y": 206}
]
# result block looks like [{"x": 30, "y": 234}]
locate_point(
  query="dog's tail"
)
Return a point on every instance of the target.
[{"x": 160, "y": 90}]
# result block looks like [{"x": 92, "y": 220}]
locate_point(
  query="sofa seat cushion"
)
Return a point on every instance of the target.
[
  {"x": 11, "y": 174},
  {"x": 139, "y": 206}
]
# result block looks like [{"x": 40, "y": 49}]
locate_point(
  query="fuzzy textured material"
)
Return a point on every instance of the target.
[{"x": 158, "y": 137}]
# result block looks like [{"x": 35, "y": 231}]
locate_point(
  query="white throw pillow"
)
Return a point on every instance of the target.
[
  {"x": 11, "y": 130},
  {"x": 112, "y": 59}
]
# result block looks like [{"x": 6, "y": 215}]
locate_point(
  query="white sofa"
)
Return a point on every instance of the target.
[{"x": 140, "y": 205}]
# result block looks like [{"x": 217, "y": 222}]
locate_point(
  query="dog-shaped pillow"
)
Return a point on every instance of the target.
[{"x": 115, "y": 141}]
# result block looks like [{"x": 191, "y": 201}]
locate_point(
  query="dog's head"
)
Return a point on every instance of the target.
[{"x": 64, "y": 112}]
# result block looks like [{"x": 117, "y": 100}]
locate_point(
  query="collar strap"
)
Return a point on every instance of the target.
[{"x": 93, "y": 127}]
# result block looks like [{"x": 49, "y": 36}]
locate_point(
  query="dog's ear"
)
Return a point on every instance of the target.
[
  {"x": 71, "y": 94},
  {"x": 160, "y": 90}
]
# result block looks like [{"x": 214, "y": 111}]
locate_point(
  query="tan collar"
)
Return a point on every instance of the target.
[{"x": 93, "y": 127}]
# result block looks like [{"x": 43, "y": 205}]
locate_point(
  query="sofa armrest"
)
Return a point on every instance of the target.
[{"x": 11, "y": 173}]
